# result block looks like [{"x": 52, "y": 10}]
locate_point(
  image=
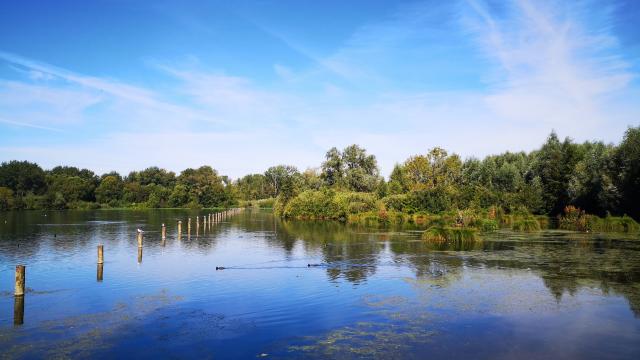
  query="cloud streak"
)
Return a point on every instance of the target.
[{"x": 541, "y": 65}]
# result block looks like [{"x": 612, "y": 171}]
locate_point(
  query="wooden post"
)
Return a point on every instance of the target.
[
  {"x": 20, "y": 280},
  {"x": 164, "y": 231},
  {"x": 179, "y": 229},
  {"x": 140, "y": 239},
  {"x": 18, "y": 310},
  {"x": 189, "y": 227},
  {"x": 139, "y": 255},
  {"x": 100, "y": 272},
  {"x": 100, "y": 254}
]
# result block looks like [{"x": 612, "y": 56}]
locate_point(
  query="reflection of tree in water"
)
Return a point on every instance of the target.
[
  {"x": 426, "y": 264},
  {"x": 346, "y": 252},
  {"x": 567, "y": 264}
]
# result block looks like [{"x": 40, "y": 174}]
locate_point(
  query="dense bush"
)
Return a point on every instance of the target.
[
  {"x": 397, "y": 202},
  {"x": 576, "y": 219},
  {"x": 328, "y": 204}
]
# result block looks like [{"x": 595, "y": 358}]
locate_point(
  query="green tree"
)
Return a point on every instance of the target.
[
  {"x": 254, "y": 187},
  {"x": 22, "y": 177},
  {"x": 435, "y": 169},
  {"x": 398, "y": 183},
  {"x": 351, "y": 168},
  {"x": 627, "y": 162},
  {"x": 153, "y": 175},
  {"x": 110, "y": 190},
  {"x": 554, "y": 164},
  {"x": 312, "y": 179},
  {"x": 73, "y": 188},
  {"x": 179, "y": 196},
  {"x": 286, "y": 180},
  {"x": 333, "y": 167},
  {"x": 591, "y": 185},
  {"x": 205, "y": 187}
]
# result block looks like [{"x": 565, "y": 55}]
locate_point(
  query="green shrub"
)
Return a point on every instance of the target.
[
  {"x": 354, "y": 202},
  {"x": 267, "y": 203},
  {"x": 313, "y": 204},
  {"x": 612, "y": 224},
  {"x": 395, "y": 202},
  {"x": 328, "y": 204},
  {"x": 526, "y": 225},
  {"x": 487, "y": 225}
]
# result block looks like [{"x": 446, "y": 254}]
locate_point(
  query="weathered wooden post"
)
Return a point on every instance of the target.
[
  {"x": 179, "y": 229},
  {"x": 100, "y": 254},
  {"x": 100, "y": 272},
  {"x": 20, "y": 280},
  {"x": 189, "y": 227},
  {"x": 18, "y": 310},
  {"x": 140, "y": 238},
  {"x": 139, "y": 255},
  {"x": 164, "y": 231}
]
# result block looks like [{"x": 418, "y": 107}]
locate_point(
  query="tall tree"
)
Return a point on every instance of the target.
[
  {"x": 333, "y": 167},
  {"x": 627, "y": 160},
  {"x": 22, "y": 177},
  {"x": 554, "y": 164}
]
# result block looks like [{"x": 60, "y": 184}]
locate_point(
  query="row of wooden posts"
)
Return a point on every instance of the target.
[{"x": 207, "y": 220}]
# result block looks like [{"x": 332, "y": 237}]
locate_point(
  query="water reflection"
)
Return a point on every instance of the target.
[
  {"x": 18, "y": 310},
  {"x": 562, "y": 265},
  {"x": 564, "y": 261},
  {"x": 100, "y": 272}
]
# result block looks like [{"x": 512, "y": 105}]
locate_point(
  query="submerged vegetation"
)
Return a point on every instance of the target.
[{"x": 587, "y": 187}]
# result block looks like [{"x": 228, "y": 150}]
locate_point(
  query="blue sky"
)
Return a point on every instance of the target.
[{"x": 123, "y": 85}]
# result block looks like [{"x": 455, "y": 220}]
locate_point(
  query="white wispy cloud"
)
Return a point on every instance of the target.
[
  {"x": 29, "y": 125},
  {"x": 551, "y": 66}
]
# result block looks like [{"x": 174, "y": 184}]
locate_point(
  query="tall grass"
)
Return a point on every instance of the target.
[
  {"x": 526, "y": 225},
  {"x": 440, "y": 233},
  {"x": 576, "y": 219}
]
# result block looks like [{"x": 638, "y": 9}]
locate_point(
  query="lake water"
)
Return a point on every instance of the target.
[{"x": 370, "y": 292}]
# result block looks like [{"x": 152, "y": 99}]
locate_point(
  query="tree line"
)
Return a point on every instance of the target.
[
  {"x": 597, "y": 177},
  {"x": 26, "y": 186}
]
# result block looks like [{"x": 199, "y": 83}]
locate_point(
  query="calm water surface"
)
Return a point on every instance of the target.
[{"x": 375, "y": 293}]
